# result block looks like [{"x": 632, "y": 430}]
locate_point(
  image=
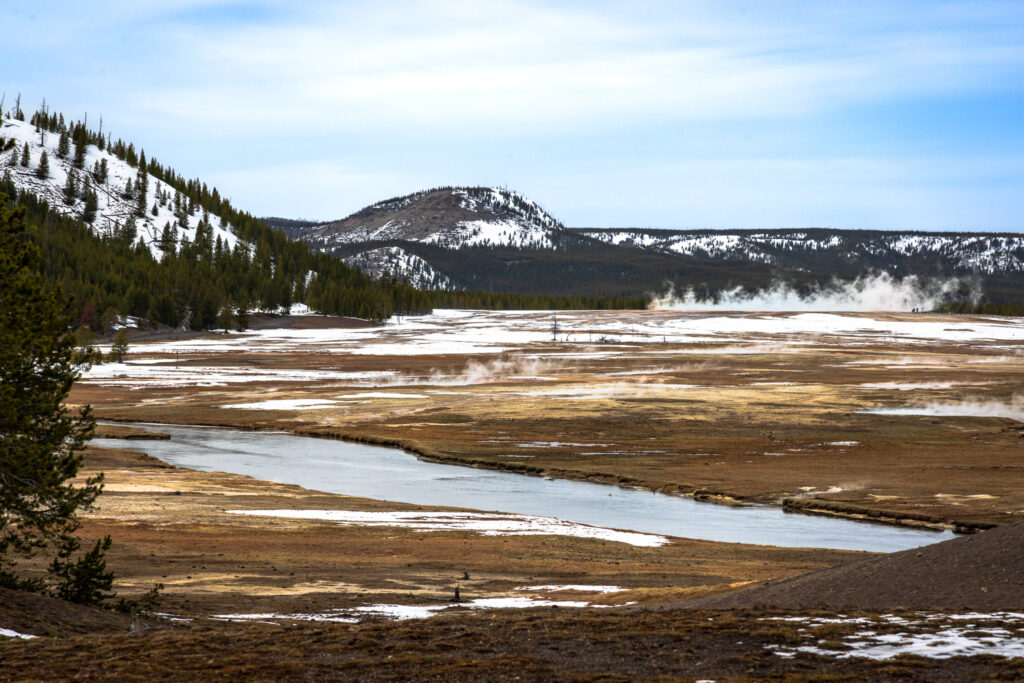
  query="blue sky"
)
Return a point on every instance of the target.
[{"x": 655, "y": 114}]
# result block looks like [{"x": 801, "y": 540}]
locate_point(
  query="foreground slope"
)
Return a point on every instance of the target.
[{"x": 978, "y": 572}]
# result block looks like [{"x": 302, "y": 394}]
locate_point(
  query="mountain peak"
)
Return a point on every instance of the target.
[{"x": 451, "y": 217}]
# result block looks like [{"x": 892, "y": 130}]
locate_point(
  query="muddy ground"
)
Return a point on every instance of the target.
[
  {"x": 539, "y": 645},
  {"x": 750, "y": 417}
]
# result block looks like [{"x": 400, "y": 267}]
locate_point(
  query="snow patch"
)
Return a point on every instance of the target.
[{"x": 482, "y": 523}]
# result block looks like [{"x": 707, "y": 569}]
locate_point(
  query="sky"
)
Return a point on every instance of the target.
[{"x": 719, "y": 114}]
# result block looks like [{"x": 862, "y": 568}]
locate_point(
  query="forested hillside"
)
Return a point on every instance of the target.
[
  {"x": 206, "y": 266},
  {"x": 128, "y": 236}
]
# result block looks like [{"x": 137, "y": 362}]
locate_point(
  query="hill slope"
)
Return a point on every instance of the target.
[
  {"x": 449, "y": 217},
  {"x": 117, "y": 193},
  {"x": 978, "y": 572}
]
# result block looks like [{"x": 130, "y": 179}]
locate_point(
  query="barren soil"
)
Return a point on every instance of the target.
[{"x": 750, "y": 416}]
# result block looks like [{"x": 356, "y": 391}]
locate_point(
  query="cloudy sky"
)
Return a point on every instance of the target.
[{"x": 657, "y": 114}]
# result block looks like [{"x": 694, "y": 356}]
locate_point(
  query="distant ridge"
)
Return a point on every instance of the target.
[{"x": 493, "y": 239}]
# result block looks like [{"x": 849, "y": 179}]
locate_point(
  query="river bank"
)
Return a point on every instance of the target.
[{"x": 740, "y": 408}]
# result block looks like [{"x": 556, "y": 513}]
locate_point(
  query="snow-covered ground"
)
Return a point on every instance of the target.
[
  {"x": 113, "y": 206},
  {"x": 486, "y": 524},
  {"x": 935, "y": 636},
  {"x": 8, "y": 633},
  {"x": 592, "y": 334}
]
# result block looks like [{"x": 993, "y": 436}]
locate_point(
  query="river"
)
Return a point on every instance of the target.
[{"x": 390, "y": 474}]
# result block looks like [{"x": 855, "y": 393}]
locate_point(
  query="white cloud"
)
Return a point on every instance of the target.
[{"x": 523, "y": 67}]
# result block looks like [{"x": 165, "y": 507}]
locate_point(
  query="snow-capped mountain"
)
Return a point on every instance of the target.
[
  {"x": 451, "y": 218},
  {"x": 978, "y": 253},
  {"x": 115, "y": 202}
]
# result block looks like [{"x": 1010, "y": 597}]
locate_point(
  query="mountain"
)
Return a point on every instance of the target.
[
  {"x": 491, "y": 239},
  {"x": 844, "y": 251},
  {"x": 450, "y": 217}
]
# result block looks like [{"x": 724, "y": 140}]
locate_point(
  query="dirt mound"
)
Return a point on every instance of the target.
[
  {"x": 41, "y": 615},
  {"x": 978, "y": 572}
]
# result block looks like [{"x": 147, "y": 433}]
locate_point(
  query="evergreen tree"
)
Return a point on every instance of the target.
[
  {"x": 80, "y": 145},
  {"x": 167, "y": 240},
  {"x": 43, "y": 170},
  {"x": 84, "y": 580},
  {"x": 25, "y": 156},
  {"x": 128, "y": 231},
  {"x": 120, "y": 347},
  {"x": 40, "y": 443},
  {"x": 140, "y": 201},
  {"x": 91, "y": 206},
  {"x": 101, "y": 171},
  {"x": 71, "y": 187},
  {"x": 63, "y": 145}
]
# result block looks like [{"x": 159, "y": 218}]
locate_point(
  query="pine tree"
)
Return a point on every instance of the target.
[
  {"x": 71, "y": 187},
  {"x": 43, "y": 170},
  {"x": 84, "y": 580},
  {"x": 80, "y": 145},
  {"x": 63, "y": 145},
  {"x": 101, "y": 171},
  {"x": 167, "y": 240},
  {"x": 140, "y": 200},
  {"x": 25, "y": 156},
  {"x": 40, "y": 443},
  {"x": 120, "y": 347},
  {"x": 91, "y": 206}
]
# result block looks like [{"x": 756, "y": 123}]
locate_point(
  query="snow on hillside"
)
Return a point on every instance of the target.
[
  {"x": 488, "y": 217},
  {"x": 985, "y": 254},
  {"x": 397, "y": 261},
  {"x": 492, "y": 233},
  {"x": 114, "y": 207}
]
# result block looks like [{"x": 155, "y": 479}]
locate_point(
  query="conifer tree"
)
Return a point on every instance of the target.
[
  {"x": 43, "y": 170},
  {"x": 167, "y": 240},
  {"x": 140, "y": 201},
  {"x": 63, "y": 145},
  {"x": 25, "y": 156},
  {"x": 101, "y": 171},
  {"x": 120, "y": 347},
  {"x": 91, "y": 206},
  {"x": 71, "y": 187},
  {"x": 80, "y": 145},
  {"x": 40, "y": 443}
]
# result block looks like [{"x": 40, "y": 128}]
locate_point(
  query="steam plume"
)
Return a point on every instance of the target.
[{"x": 879, "y": 292}]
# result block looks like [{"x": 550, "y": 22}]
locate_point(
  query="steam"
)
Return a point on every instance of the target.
[
  {"x": 496, "y": 370},
  {"x": 1013, "y": 410},
  {"x": 878, "y": 292}
]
